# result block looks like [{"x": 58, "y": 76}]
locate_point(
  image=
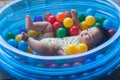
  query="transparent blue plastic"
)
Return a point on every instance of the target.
[{"x": 22, "y": 65}]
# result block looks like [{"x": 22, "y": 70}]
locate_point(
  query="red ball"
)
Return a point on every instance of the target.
[
  {"x": 74, "y": 30},
  {"x": 51, "y": 19},
  {"x": 68, "y": 14},
  {"x": 111, "y": 32},
  {"x": 56, "y": 25},
  {"x": 47, "y": 15}
]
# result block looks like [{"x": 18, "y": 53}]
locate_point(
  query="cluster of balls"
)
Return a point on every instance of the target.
[
  {"x": 63, "y": 26},
  {"x": 14, "y": 38}
]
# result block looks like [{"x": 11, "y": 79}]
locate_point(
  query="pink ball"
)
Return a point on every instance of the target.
[
  {"x": 111, "y": 32},
  {"x": 74, "y": 30},
  {"x": 51, "y": 19}
]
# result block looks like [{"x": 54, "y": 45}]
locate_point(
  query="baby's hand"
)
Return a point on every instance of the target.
[
  {"x": 24, "y": 36},
  {"x": 57, "y": 50}
]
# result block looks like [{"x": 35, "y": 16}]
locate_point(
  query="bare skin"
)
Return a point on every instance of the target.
[{"x": 89, "y": 36}]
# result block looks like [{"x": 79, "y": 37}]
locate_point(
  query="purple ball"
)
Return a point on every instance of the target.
[
  {"x": 77, "y": 64},
  {"x": 54, "y": 66},
  {"x": 88, "y": 61},
  {"x": 23, "y": 30},
  {"x": 38, "y": 19},
  {"x": 66, "y": 65}
]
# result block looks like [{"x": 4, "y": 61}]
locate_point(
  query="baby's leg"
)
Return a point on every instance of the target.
[
  {"x": 75, "y": 17},
  {"x": 44, "y": 27}
]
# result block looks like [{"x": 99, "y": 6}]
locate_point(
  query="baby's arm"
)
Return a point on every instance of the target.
[
  {"x": 38, "y": 46},
  {"x": 43, "y": 48}
]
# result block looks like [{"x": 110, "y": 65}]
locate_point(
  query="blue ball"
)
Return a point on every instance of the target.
[
  {"x": 107, "y": 24},
  {"x": 38, "y": 19},
  {"x": 91, "y": 11},
  {"x": 12, "y": 42},
  {"x": 16, "y": 32},
  {"x": 22, "y": 45}
]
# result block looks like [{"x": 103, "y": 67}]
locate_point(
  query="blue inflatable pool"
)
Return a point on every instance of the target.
[{"x": 96, "y": 63}]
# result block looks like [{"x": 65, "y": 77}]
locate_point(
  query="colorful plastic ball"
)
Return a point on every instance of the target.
[
  {"x": 67, "y": 30},
  {"x": 53, "y": 66},
  {"x": 9, "y": 35},
  {"x": 74, "y": 30},
  {"x": 111, "y": 32},
  {"x": 12, "y": 42},
  {"x": 90, "y": 20},
  {"x": 29, "y": 50},
  {"x": 47, "y": 15},
  {"x": 60, "y": 17},
  {"x": 107, "y": 24},
  {"x": 60, "y": 62},
  {"x": 51, "y": 19},
  {"x": 68, "y": 14},
  {"x": 82, "y": 47},
  {"x": 66, "y": 65},
  {"x": 40, "y": 65},
  {"x": 33, "y": 33},
  {"x": 81, "y": 17},
  {"x": 100, "y": 20},
  {"x": 18, "y": 38},
  {"x": 77, "y": 64},
  {"x": 83, "y": 25},
  {"x": 98, "y": 25},
  {"x": 71, "y": 49},
  {"x": 22, "y": 45},
  {"x": 23, "y": 30},
  {"x": 61, "y": 32},
  {"x": 56, "y": 25},
  {"x": 88, "y": 61},
  {"x": 91, "y": 11},
  {"x": 38, "y": 19},
  {"x": 16, "y": 32},
  {"x": 68, "y": 22}
]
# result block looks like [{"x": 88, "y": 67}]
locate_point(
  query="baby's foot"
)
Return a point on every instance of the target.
[
  {"x": 74, "y": 13},
  {"x": 75, "y": 17},
  {"x": 29, "y": 23},
  {"x": 24, "y": 36}
]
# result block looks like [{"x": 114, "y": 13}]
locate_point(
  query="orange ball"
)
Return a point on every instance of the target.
[{"x": 60, "y": 16}]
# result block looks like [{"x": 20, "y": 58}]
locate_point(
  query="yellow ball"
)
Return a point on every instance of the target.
[
  {"x": 68, "y": 22},
  {"x": 84, "y": 25},
  {"x": 71, "y": 49},
  {"x": 90, "y": 20},
  {"x": 29, "y": 50},
  {"x": 33, "y": 33},
  {"x": 82, "y": 47},
  {"x": 18, "y": 38}
]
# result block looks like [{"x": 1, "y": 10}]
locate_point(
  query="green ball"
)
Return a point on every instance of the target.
[
  {"x": 61, "y": 32},
  {"x": 98, "y": 25},
  {"x": 100, "y": 20},
  {"x": 81, "y": 17},
  {"x": 9, "y": 35}
]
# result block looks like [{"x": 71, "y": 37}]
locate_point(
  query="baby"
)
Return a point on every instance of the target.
[{"x": 50, "y": 46}]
